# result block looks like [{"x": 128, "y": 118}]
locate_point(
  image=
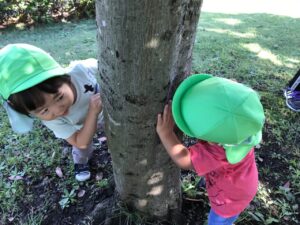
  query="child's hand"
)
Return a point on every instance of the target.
[
  {"x": 95, "y": 104},
  {"x": 165, "y": 122}
]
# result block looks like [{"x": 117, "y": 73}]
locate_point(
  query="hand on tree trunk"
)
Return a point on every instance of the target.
[{"x": 176, "y": 150}]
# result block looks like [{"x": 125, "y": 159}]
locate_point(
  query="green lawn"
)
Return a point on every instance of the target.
[{"x": 260, "y": 50}]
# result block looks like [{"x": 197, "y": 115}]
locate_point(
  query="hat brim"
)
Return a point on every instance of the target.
[
  {"x": 176, "y": 102},
  {"x": 34, "y": 80},
  {"x": 236, "y": 153}
]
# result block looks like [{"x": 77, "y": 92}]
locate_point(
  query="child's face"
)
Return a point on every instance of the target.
[{"x": 56, "y": 105}]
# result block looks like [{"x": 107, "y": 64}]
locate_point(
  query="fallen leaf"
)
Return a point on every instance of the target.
[
  {"x": 59, "y": 172},
  {"x": 81, "y": 193},
  {"x": 287, "y": 185},
  {"x": 286, "y": 218},
  {"x": 102, "y": 139},
  {"x": 15, "y": 177},
  {"x": 53, "y": 155},
  {"x": 99, "y": 176},
  {"x": 27, "y": 155}
]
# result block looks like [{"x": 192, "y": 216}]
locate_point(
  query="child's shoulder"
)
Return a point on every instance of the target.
[
  {"x": 209, "y": 148},
  {"x": 91, "y": 62},
  {"x": 207, "y": 156},
  {"x": 85, "y": 65},
  {"x": 83, "y": 69}
]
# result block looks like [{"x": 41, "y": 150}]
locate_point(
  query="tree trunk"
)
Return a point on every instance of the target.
[{"x": 145, "y": 47}]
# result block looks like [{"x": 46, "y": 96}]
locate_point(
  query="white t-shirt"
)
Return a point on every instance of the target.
[{"x": 83, "y": 78}]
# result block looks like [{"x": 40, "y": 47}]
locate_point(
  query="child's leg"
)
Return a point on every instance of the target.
[
  {"x": 82, "y": 156},
  {"x": 215, "y": 219},
  {"x": 81, "y": 167}
]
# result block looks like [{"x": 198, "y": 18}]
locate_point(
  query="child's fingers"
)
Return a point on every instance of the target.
[
  {"x": 167, "y": 108},
  {"x": 169, "y": 111},
  {"x": 165, "y": 115},
  {"x": 158, "y": 118},
  {"x": 159, "y": 121}
]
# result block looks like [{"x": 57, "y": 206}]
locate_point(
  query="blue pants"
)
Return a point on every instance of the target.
[{"x": 215, "y": 219}]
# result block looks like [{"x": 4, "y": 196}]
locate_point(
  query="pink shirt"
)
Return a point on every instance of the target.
[{"x": 230, "y": 187}]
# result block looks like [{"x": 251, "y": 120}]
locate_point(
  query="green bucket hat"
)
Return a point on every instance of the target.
[
  {"x": 219, "y": 110},
  {"x": 21, "y": 67}
]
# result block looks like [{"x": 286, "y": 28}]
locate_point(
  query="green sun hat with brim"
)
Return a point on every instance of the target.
[
  {"x": 219, "y": 110},
  {"x": 23, "y": 66},
  {"x": 177, "y": 103}
]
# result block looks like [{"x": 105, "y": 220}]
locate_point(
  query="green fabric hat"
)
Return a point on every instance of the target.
[
  {"x": 219, "y": 110},
  {"x": 23, "y": 66},
  {"x": 235, "y": 153}
]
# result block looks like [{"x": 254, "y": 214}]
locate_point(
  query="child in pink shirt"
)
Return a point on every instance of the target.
[{"x": 227, "y": 118}]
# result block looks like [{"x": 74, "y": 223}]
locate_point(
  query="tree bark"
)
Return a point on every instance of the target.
[{"x": 145, "y": 48}]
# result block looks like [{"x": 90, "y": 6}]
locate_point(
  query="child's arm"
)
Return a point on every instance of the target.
[
  {"x": 82, "y": 138},
  {"x": 177, "y": 151}
]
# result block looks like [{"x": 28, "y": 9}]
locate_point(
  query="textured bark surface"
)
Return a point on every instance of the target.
[{"x": 144, "y": 48}]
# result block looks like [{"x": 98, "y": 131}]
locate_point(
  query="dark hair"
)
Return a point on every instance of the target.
[{"x": 32, "y": 98}]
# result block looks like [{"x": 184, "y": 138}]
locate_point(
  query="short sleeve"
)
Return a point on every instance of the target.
[
  {"x": 60, "y": 128},
  {"x": 91, "y": 64},
  {"x": 207, "y": 157},
  {"x": 84, "y": 69}
]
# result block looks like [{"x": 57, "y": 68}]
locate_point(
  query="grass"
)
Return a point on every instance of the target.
[
  {"x": 260, "y": 50},
  {"x": 65, "y": 42}
]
